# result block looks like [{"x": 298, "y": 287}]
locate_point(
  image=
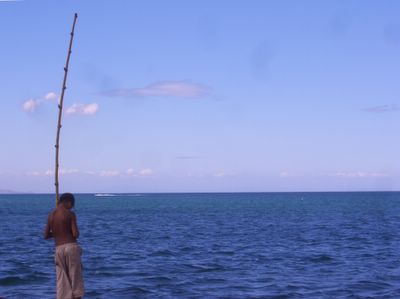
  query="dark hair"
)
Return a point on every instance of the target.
[{"x": 67, "y": 197}]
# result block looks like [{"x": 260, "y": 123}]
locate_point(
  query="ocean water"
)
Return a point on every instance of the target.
[{"x": 243, "y": 245}]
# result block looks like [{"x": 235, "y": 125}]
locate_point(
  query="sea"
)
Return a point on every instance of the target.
[{"x": 211, "y": 245}]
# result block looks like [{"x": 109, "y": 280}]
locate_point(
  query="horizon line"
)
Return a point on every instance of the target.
[{"x": 199, "y": 192}]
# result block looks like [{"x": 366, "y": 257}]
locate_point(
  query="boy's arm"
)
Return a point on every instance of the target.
[
  {"x": 47, "y": 231},
  {"x": 74, "y": 227}
]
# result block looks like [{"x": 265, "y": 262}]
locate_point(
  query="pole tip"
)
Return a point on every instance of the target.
[{"x": 76, "y": 15}]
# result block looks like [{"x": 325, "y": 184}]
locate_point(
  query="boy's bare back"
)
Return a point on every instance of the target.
[{"x": 61, "y": 224}]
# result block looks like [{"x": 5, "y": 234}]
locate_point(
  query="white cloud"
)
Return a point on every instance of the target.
[
  {"x": 30, "y": 105},
  {"x": 343, "y": 174},
  {"x": 51, "y": 172},
  {"x": 51, "y": 96},
  {"x": 80, "y": 109},
  {"x": 163, "y": 88},
  {"x": 360, "y": 174},
  {"x": 383, "y": 108},
  {"x": 141, "y": 173},
  {"x": 34, "y": 173},
  {"x": 146, "y": 172},
  {"x": 130, "y": 171},
  {"x": 109, "y": 173},
  {"x": 284, "y": 174},
  {"x": 83, "y": 109},
  {"x": 68, "y": 171},
  {"x": 222, "y": 174},
  {"x": 219, "y": 174}
]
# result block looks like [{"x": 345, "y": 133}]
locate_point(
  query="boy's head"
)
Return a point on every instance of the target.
[{"x": 68, "y": 200}]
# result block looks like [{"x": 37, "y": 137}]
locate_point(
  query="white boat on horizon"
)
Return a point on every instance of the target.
[{"x": 104, "y": 194}]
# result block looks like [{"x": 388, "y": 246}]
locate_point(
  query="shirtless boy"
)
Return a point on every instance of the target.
[{"x": 61, "y": 225}]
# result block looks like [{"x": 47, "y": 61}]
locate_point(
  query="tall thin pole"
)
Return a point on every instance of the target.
[{"x": 60, "y": 107}]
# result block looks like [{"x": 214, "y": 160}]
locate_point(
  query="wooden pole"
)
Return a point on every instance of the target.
[{"x": 60, "y": 107}]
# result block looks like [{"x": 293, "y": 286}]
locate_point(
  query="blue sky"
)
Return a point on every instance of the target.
[{"x": 178, "y": 96}]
